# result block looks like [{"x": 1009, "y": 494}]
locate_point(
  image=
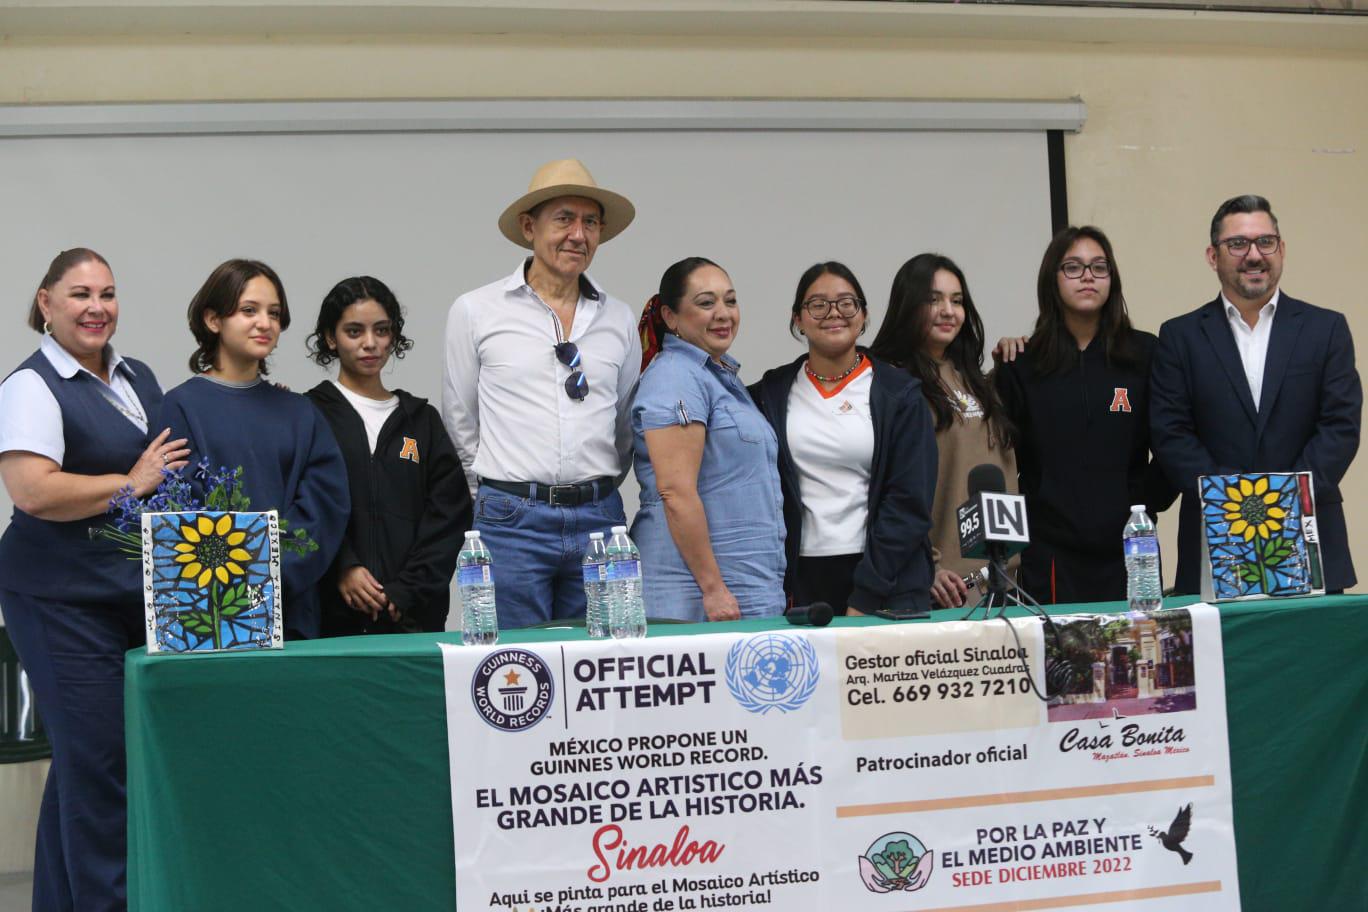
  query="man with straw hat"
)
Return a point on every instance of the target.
[{"x": 540, "y": 370}]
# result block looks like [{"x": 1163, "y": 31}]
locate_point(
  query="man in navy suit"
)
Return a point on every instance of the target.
[{"x": 1255, "y": 381}]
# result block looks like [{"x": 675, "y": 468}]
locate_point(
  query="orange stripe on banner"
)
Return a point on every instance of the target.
[
  {"x": 1059, "y": 794},
  {"x": 1087, "y": 899}
]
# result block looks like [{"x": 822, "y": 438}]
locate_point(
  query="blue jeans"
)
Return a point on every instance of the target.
[{"x": 537, "y": 550}]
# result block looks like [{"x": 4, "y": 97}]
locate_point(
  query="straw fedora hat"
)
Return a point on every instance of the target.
[{"x": 567, "y": 177}]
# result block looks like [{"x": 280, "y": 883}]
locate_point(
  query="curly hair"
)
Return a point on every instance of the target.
[{"x": 335, "y": 303}]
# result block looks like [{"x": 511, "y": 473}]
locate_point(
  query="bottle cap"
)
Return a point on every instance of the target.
[
  {"x": 473, "y": 533},
  {"x": 596, "y": 536},
  {"x": 619, "y": 530},
  {"x": 1137, "y": 508}
]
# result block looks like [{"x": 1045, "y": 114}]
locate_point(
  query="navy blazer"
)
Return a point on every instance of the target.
[{"x": 1203, "y": 420}]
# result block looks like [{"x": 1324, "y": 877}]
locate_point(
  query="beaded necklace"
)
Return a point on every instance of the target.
[{"x": 859, "y": 359}]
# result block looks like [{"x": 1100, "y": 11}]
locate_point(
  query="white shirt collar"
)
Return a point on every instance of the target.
[
  {"x": 67, "y": 366},
  {"x": 518, "y": 279},
  {"x": 1233, "y": 313}
]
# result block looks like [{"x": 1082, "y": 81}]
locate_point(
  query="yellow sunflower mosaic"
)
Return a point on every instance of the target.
[
  {"x": 210, "y": 550},
  {"x": 1251, "y": 509}
]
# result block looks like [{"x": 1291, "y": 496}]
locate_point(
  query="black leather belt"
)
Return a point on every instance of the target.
[{"x": 562, "y": 495}]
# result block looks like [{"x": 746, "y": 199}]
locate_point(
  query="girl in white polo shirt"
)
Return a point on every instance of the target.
[{"x": 857, "y": 458}]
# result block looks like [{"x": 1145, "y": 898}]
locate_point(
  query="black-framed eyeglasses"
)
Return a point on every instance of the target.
[
  {"x": 1239, "y": 246},
  {"x": 820, "y": 308},
  {"x": 1073, "y": 269},
  {"x": 576, "y": 386}
]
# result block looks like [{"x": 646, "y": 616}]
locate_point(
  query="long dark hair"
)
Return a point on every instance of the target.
[
  {"x": 1053, "y": 348},
  {"x": 815, "y": 272},
  {"x": 61, "y": 264},
  {"x": 901, "y": 340},
  {"x": 220, "y": 293},
  {"x": 343, "y": 295}
]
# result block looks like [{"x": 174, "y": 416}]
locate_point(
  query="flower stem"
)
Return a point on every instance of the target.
[{"x": 215, "y": 608}]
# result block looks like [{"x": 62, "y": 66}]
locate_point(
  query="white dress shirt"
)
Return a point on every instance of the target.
[
  {"x": 503, "y": 393},
  {"x": 1252, "y": 342},
  {"x": 31, "y": 419}
]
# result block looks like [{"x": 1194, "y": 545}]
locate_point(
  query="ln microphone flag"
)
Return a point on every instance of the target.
[{"x": 991, "y": 518}]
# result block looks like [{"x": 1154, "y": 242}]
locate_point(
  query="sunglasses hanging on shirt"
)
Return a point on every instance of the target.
[{"x": 576, "y": 386}]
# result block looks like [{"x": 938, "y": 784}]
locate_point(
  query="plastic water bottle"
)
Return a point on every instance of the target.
[
  {"x": 596, "y": 587},
  {"x": 626, "y": 611},
  {"x": 475, "y": 582},
  {"x": 1144, "y": 584}
]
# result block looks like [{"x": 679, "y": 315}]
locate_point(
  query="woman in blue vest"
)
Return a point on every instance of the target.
[{"x": 74, "y": 430}]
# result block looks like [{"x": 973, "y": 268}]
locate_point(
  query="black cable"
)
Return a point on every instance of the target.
[{"x": 1013, "y": 594}]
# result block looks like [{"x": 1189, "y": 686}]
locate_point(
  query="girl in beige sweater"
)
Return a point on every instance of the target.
[{"x": 934, "y": 331}]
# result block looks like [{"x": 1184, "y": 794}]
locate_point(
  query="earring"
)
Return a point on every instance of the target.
[
  {"x": 47, "y": 328},
  {"x": 802, "y": 332}
]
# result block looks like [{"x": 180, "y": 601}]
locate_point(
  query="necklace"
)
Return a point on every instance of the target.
[
  {"x": 859, "y": 359},
  {"x": 134, "y": 412}
]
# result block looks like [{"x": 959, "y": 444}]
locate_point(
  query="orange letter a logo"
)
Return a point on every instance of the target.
[
  {"x": 410, "y": 450},
  {"x": 1120, "y": 400}
]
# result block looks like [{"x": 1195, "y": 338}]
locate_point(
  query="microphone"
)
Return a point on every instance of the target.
[
  {"x": 992, "y": 523},
  {"x": 818, "y": 614},
  {"x": 972, "y": 580}
]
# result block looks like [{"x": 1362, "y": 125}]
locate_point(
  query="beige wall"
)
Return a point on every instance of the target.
[{"x": 1172, "y": 128}]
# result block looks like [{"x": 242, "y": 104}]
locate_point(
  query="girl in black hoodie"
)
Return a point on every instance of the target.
[{"x": 410, "y": 501}]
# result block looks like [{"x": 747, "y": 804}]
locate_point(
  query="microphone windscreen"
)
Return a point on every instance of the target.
[
  {"x": 819, "y": 614},
  {"x": 986, "y": 477}
]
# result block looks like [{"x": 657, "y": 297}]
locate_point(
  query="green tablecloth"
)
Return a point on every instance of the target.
[{"x": 317, "y": 777}]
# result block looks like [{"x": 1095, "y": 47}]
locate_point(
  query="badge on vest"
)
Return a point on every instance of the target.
[
  {"x": 1120, "y": 399},
  {"x": 410, "y": 450}
]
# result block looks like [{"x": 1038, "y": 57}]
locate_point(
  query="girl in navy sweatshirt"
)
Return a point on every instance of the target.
[
  {"x": 232, "y": 417},
  {"x": 410, "y": 501}
]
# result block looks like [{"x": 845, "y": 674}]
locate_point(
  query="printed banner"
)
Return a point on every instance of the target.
[{"x": 819, "y": 769}]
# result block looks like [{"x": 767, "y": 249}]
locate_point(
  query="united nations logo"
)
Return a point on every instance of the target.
[
  {"x": 772, "y": 671},
  {"x": 512, "y": 689}
]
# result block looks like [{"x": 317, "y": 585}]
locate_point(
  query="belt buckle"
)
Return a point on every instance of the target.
[{"x": 554, "y": 493}]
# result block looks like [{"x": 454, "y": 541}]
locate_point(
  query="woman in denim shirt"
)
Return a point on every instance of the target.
[{"x": 710, "y": 528}]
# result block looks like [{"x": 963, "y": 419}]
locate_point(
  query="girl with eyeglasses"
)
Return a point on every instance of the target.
[
  {"x": 857, "y": 458},
  {"x": 1078, "y": 398},
  {"x": 934, "y": 331},
  {"x": 710, "y": 527},
  {"x": 410, "y": 503},
  {"x": 232, "y": 417}
]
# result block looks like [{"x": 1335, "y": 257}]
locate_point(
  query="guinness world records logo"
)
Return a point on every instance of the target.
[{"x": 512, "y": 689}]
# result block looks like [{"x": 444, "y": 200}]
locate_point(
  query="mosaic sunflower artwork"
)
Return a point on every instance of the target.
[
  {"x": 1260, "y": 536},
  {"x": 211, "y": 581}
]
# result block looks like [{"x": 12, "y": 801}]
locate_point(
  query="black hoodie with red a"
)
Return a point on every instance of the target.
[
  {"x": 410, "y": 510},
  {"x": 1083, "y": 453}
]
